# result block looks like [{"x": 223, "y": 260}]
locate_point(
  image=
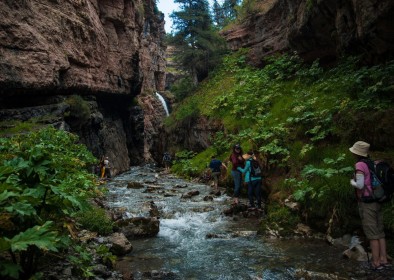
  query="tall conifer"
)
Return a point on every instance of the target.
[{"x": 194, "y": 36}]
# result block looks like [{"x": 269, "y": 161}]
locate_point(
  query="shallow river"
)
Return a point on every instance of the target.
[{"x": 182, "y": 249}]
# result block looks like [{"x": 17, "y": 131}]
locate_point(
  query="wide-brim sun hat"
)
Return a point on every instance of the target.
[
  {"x": 246, "y": 156},
  {"x": 360, "y": 148}
]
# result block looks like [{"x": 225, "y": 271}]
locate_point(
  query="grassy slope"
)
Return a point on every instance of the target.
[{"x": 301, "y": 120}]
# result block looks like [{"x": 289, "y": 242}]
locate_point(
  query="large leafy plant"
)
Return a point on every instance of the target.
[{"x": 44, "y": 178}]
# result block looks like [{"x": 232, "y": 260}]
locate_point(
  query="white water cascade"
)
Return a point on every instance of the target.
[{"x": 163, "y": 102}]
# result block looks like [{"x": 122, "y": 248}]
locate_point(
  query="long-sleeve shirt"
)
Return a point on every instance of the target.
[
  {"x": 237, "y": 161},
  {"x": 246, "y": 170}
]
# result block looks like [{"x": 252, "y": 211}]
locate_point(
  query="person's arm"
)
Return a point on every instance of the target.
[
  {"x": 358, "y": 182},
  {"x": 247, "y": 165}
]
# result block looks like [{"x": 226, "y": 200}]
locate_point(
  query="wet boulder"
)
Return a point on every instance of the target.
[
  {"x": 139, "y": 227},
  {"x": 235, "y": 209},
  {"x": 135, "y": 185},
  {"x": 216, "y": 192},
  {"x": 120, "y": 245},
  {"x": 153, "y": 189},
  {"x": 190, "y": 194}
]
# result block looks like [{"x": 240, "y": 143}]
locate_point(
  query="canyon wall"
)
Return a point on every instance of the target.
[
  {"x": 317, "y": 29},
  {"x": 109, "y": 52}
]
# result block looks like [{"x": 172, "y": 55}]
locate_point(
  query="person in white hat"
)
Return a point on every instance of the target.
[{"x": 370, "y": 211}]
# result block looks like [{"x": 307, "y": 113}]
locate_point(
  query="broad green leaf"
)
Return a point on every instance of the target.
[
  {"x": 4, "y": 245},
  {"x": 41, "y": 236},
  {"x": 5, "y": 195},
  {"x": 10, "y": 269},
  {"x": 21, "y": 208}
]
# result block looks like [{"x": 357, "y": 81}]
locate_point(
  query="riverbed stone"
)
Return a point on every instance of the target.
[
  {"x": 139, "y": 227},
  {"x": 190, "y": 194},
  {"x": 134, "y": 185},
  {"x": 120, "y": 245}
]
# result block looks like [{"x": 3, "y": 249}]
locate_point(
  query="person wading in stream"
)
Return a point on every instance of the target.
[
  {"x": 237, "y": 161},
  {"x": 216, "y": 169},
  {"x": 370, "y": 211}
]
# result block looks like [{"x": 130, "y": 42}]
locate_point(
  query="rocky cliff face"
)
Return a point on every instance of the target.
[
  {"x": 107, "y": 51},
  {"x": 323, "y": 29}
]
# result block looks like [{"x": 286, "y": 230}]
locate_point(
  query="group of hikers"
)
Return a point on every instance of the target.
[
  {"x": 246, "y": 167},
  {"x": 370, "y": 207}
]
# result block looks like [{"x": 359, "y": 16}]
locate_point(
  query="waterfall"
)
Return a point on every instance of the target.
[{"x": 163, "y": 102}]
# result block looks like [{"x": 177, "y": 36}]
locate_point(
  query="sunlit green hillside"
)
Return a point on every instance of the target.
[{"x": 301, "y": 119}]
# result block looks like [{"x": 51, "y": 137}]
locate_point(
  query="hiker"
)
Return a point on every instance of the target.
[
  {"x": 167, "y": 161},
  {"x": 253, "y": 179},
  {"x": 216, "y": 165},
  {"x": 370, "y": 212},
  {"x": 237, "y": 161},
  {"x": 102, "y": 167},
  {"x": 105, "y": 169}
]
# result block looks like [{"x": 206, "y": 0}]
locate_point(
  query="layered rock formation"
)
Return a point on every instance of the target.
[
  {"x": 324, "y": 29},
  {"x": 107, "y": 51}
]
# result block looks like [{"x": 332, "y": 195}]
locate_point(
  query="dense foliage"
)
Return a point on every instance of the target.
[
  {"x": 44, "y": 180},
  {"x": 301, "y": 119}
]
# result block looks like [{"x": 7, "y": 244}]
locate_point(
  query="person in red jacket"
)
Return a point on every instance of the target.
[{"x": 237, "y": 161}]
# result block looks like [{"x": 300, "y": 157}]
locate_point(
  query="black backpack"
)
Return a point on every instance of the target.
[
  {"x": 167, "y": 157},
  {"x": 382, "y": 177},
  {"x": 255, "y": 168}
]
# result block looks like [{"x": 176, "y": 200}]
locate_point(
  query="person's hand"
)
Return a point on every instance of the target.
[{"x": 353, "y": 183}]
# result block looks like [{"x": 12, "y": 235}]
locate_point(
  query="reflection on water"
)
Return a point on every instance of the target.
[{"x": 182, "y": 250}]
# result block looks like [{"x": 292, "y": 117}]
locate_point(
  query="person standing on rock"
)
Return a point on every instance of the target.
[
  {"x": 216, "y": 169},
  {"x": 107, "y": 169},
  {"x": 253, "y": 181},
  {"x": 237, "y": 161},
  {"x": 167, "y": 161},
  {"x": 370, "y": 211}
]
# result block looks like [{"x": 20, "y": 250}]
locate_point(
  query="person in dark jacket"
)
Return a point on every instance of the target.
[{"x": 216, "y": 169}]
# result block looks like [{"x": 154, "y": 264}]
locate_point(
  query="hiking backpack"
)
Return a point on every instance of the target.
[
  {"x": 167, "y": 157},
  {"x": 382, "y": 180},
  {"x": 255, "y": 169}
]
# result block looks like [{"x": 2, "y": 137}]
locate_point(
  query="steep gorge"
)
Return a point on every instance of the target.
[{"x": 109, "y": 52}]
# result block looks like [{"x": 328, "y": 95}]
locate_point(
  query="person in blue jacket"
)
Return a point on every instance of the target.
[
  {"x": 216, "y": 168},
  {"x": 254, "y": 182}
]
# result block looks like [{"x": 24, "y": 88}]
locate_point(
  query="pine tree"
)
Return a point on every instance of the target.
[
  {"x": 225, "y": 13},
  {"x": 194, "y": 36}
]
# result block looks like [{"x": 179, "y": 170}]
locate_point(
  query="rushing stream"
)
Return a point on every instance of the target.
[{"x": 196, "y": 241}]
